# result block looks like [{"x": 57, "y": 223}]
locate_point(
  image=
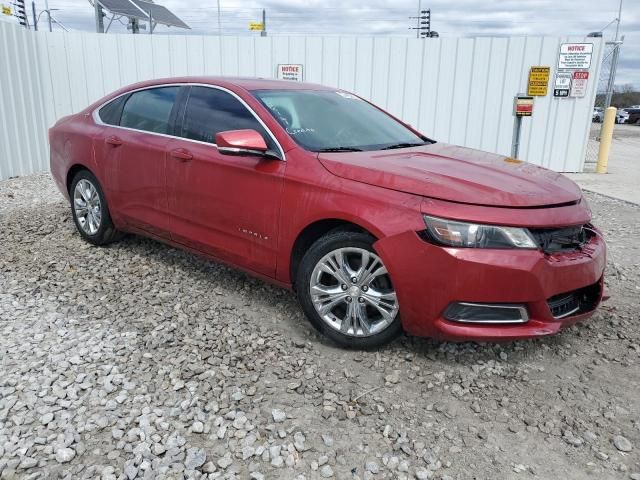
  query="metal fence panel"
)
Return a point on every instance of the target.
[
  {"x": 604, "y": 84},
  {"x": 23, "y": 133},
  {"x": 456, "y": 90}
]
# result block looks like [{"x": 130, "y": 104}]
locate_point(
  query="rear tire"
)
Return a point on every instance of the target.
[
  {"x": 90, "y": 210},
  {"x": 346, "y": 292}
]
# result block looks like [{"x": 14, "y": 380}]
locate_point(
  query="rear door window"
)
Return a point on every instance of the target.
[
  {"x": 210, "y": 111},
  {"x": 149, "y": 110}
]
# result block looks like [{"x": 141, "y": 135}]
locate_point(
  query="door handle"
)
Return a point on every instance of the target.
[
  {"x": 182, "y": 154},
  {"x": 113, "y": 140}
]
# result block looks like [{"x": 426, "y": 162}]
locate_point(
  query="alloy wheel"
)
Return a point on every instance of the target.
[
  {"x": 87, "y": 206},
  {"x": 352, "y": 292}
]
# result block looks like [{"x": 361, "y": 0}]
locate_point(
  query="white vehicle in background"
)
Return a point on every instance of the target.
[
  {"x": 622, "y": 115},
  {"x": 598, "y": 115}
]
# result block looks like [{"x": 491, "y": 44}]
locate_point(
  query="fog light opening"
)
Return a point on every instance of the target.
[{"x": 465, "y": 312}]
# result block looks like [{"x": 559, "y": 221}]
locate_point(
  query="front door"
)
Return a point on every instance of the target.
[{"x": 224, "y": 205}]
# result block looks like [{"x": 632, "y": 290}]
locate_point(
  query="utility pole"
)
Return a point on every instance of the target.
[
  {"x": 21, "y": 13},
  {"x": 614, "y": 60},
  {"x": 99, "y": 17},
  {"x": 426, "y": 31},
  {"x": 134, "y": 25},
  {"x": 46, "y": 6},
  {"x": 423, "y": 28},
  {"x": 263, "y": 32},
  {"x": 219, "y": 22},
  {"x": 35, "y": 19},
  {"x": 619, "y": 18}
]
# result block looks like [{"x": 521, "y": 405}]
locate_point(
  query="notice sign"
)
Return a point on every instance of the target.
[
  {"x": 523, "y": 106},
  {"x": 579, "y": 84},
  {"x": 575, "y": 56},
  {"x": 562, "y": 84},
  {"x": 255, "y": 26},
  {"x": 538, "y": 81},
  {"x": 289, "y": 71}
]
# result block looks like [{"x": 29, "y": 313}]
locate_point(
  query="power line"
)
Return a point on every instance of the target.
[{"x": 371, "y": 20}]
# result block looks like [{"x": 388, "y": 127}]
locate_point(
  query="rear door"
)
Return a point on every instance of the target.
[
  {"x": 224, "y": 205},
  {"x": 134, "y": 158}
]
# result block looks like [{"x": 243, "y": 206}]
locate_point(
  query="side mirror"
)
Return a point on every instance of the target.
[{"x": 241, "y": 142}]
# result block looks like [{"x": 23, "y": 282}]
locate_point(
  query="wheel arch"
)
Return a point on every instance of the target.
[
  {"x": 72, "y": 172},
  {"x": 317, "y": 229}
]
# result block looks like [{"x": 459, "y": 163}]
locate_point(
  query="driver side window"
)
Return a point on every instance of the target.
[{"x": 210, "y": 111}]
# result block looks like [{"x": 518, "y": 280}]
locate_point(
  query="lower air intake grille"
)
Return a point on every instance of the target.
[
  {"x": 564, "y": 305},
  {"x": 574, "y": 303}
]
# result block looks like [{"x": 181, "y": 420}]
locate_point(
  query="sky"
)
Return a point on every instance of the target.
[{"x": 451, "y": 18}]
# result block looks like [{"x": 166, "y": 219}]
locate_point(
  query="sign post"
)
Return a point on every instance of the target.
[{"x": 522, "y": 107}]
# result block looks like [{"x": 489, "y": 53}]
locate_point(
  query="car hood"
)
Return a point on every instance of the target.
[{"x": 457, "y": 174}]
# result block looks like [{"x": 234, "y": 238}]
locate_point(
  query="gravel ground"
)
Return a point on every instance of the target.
[{"x": 142, "y": 361}]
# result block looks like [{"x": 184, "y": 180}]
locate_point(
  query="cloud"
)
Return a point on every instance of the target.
[{"x": 381, "y": 17}]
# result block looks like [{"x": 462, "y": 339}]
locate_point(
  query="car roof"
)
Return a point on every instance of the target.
[
  {"x": 231, "y": 83},
  {"x": 247, "y": 83}
]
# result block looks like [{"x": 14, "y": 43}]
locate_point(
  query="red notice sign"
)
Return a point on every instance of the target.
[
  {"x": 579, "y": 84},
  {"x": 290, "y": 72},
  {"x": 523, "y": 106}
]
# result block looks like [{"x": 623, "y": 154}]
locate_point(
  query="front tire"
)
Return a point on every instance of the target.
[
  {"x": 346, "y": 291},
  {"x": 90, "y": 210}
]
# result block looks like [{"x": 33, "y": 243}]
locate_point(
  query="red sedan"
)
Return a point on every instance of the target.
[{"x": 375, "y": 226}]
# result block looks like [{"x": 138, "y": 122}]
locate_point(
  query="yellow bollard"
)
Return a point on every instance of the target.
[{"x": 606, "y": 135}]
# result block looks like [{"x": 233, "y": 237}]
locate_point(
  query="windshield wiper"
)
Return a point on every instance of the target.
[
  {"x": 341, "y": 149},
  {"x": 403, "y": 145}
]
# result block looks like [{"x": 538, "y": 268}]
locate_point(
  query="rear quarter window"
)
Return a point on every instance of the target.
[{"x": 111, "y": 112}]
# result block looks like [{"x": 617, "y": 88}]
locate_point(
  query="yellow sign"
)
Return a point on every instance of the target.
[
  {"x": 6, "y": 10},
  {"x": 538, "y": 81},
  {"x": 256, "y": 26}
]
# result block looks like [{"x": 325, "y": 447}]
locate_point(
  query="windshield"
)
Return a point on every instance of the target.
[{"x": 326, "y": 121}]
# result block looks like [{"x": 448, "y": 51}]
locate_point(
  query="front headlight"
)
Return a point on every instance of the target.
[{"x": 471, "y": 235}]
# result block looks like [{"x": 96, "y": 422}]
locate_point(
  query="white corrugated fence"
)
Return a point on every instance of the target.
[{"x": 457, "y": 90}]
